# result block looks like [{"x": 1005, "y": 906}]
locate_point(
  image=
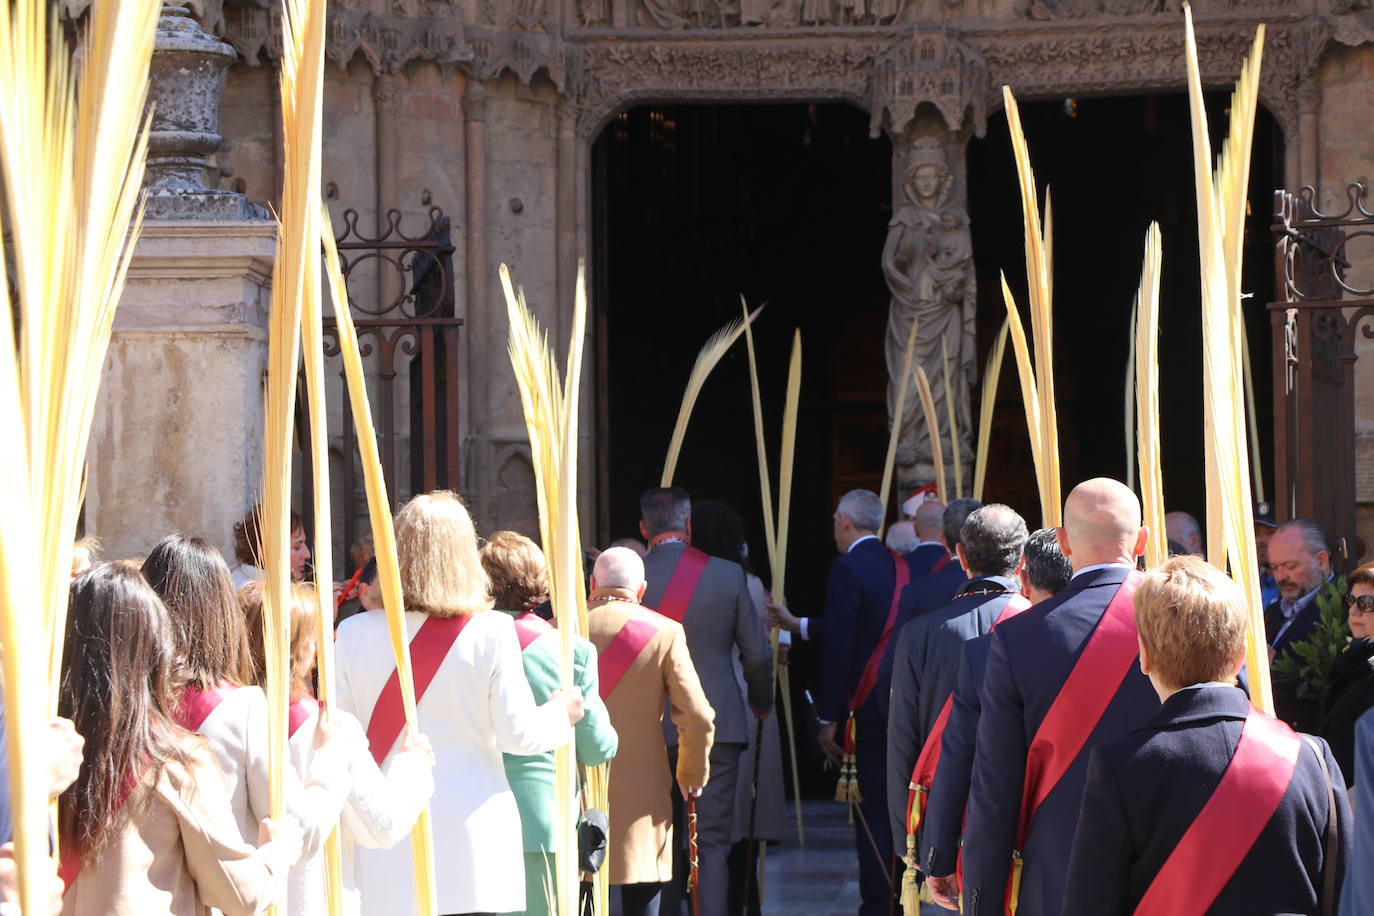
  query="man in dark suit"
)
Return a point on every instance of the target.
[
  {"x": 859, "y": 625},
  {"x": 926, "y": 660},
  {"x": 1141, "y": 837},
  {"x": 1302, "y": 565},
  {"x": 715, "y": 610},
  {"x": 935, "y": 578},
  {"x": 1031, "y": 659},
  {"x": 1044, "y": 573}
]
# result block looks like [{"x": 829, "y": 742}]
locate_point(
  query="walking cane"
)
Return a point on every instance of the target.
[
  {"x": 750, "y": 862},
  {"x": 693, "y": 862}
]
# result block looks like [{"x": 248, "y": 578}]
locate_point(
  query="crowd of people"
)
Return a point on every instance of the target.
[{"x": 1028, "y": 720}]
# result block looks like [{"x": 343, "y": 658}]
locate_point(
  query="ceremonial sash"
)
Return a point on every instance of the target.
[
  {"x": 529, "y": 626},
  {"x": 196, "y": 705},
  {"x": 624, "y": 648},
  {"x": 1221, "y": 836},
  {"x": 683, "y": 584},
  {"x": 299, "y": 713},
  {"x": 938, "y": 564},
  {"x": 428, "y": 649},
  {"x": 869, "y": 679},
  {"x": 923, "y": 774},
  {"x": 1107, "y": 658}
]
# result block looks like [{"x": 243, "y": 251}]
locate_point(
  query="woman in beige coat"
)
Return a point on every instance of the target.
[{"x": 146, "y": 828}]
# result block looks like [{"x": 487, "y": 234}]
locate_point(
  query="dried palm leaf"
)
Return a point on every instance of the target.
[
  {"x": 1252, "y": 415},
  {"x": 1128, "y": 411},
  {"x": 770, "y": 533},
  {"x": 384, "y": 542},
  {"x": 933, "y": 430},
  {"x": 1030, "y": 400},
  {"x": 711, "y": 353},
  {"x": 1221, "y": 201},
  {"x": 956, "y": 447},
  {"x": 992, "y": 374},
  {"x": 894, "y": 434},
  {"x": 1147, "y": 399}
]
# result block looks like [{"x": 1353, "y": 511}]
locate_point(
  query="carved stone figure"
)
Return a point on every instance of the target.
[{"x": 928, "y": 263}]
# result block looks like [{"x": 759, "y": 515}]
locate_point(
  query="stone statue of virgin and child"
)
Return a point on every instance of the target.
[{"x": 928, "y": 263}]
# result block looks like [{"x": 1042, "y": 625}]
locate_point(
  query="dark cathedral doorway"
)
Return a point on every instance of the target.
[{"x": 1115, "y": 164}]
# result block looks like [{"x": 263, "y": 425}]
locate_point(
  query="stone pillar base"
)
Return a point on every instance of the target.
[{"x": 176, "y": 444}]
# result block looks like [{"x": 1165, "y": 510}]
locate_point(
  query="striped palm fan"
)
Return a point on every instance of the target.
[
  {"x": 715, "y": 348},
  {"x": 1040, "y": 284},
  {"x": 72, "y": 153},
  {"x": 1221, "y": 201},
  {"x": 933, "y": 431},
  {"x": 384, "y": 540},
  {"x": 992, "y": 374},
  {"x": 898, "y": 413},
  {"x": 1147, "y": 399},
  {"x": 551, "y": 419}
]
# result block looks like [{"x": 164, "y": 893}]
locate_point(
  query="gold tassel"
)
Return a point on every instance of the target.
[{"x": 911, "y": 890}]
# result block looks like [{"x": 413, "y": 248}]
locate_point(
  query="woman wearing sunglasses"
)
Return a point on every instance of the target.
[{"x": 1352, "y": 693}]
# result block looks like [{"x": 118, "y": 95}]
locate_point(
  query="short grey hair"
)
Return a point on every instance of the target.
[
  {"x": 1046, "y": 566},
  {"x": 863, "y": 508},
  {"x": 618, "y": 567},
  {"x": 902, "y": 538},
  {"x": 665, "y": 509},
  {"x": 1313, "y": 538},
  {"x": 955, "y": 515},
  {"x": 994, "y": 538}
]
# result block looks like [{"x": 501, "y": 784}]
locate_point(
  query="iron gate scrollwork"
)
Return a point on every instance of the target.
[
  {"x": 401, "y": 293},
  {"x": 1314, "y": 333}
]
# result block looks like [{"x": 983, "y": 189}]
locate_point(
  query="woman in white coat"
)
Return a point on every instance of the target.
[{"x": 477, "y": 707}]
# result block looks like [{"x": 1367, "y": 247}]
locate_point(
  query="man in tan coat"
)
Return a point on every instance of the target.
[{"x": 644, "y": 662}]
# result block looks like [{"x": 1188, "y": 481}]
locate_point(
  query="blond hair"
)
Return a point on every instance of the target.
[
  {"x": 436, "y": 545},
  {"x": 1192, "y": 621},
  {"x": 518, "y": 571},
  {"x": 303, "y": 627}
]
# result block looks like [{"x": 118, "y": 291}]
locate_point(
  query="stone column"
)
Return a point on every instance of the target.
[
  {"x": 1308, "y": 167},
  {"x": 478, "y": 329},
  {"x": 176, "y": 442}
]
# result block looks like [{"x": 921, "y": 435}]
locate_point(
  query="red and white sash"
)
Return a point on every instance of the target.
[{"x": 428, "y": 649}]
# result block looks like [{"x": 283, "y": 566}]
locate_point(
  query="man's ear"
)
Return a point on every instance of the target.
[
  {"x": 1145, "y": 665},
  {"x": 688, "y": 528},
  {"x": 592, "y": 582},
  {"x": 639, "y": 593},
  {"x": 644, "y": 531},
  {"x": 1061, "y": 534},
  {"x": 1323, "y": 561},
  {"x": 963, "y": 559},
  {"x": 1141, "y": 539}
]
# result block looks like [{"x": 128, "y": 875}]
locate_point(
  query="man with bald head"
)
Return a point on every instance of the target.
[
  {"x": 644, "y": 661},
  {"x": 1184, "y": 528},
  {"x": 1061, "y": 679}
]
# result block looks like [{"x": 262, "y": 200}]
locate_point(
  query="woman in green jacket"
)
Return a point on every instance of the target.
[{"x": 519, "y": 585}]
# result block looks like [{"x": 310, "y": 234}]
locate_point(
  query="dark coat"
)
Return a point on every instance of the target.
[
  {"x": 858, "y": 596},
  {"x": 1144, "y": 790},
  {"x": 1351, "y": 696},
  {"x": 1302, "y": 713},
  {"x": 1031, "y": 657},
  {"x": 930, "y": 590},
  {"x": 924, "y": 668},
  {"x": 944, "y": 820},
  {"x": 1357, "y": 893}
]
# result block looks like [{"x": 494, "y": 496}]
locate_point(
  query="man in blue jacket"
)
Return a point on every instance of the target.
[
  {"x": 1210, "y": 806},
  {"x": 1301, "y": 562},
  {"x": 1070, "y": 665}
]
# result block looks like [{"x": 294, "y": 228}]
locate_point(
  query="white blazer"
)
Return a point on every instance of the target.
[
  {"x": 236, "y": 731},
  {"x": 380, "y": 810},
  {"x": 478, "y": 706}
]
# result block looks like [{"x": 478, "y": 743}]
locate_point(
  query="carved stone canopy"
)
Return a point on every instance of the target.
[{"x": 929, "y": 67}]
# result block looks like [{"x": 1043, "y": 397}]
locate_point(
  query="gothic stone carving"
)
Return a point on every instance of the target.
[{"x": 929, "y": 67}]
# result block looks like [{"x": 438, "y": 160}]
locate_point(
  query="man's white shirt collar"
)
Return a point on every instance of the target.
[
  {"x": 866, "y": 537},
  {"x": 1095, "y": 566}
]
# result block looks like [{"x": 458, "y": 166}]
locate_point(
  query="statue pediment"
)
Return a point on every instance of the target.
[{"x": 930, "y": 67}]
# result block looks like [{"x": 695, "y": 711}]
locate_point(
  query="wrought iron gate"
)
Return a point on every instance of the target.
[
  {"x": 1314, "y": 326},
  {"x": 401, "y": 291}
]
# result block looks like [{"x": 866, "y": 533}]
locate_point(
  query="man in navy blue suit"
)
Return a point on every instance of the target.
[
  {"x": 1069, "y": 665},
  {"x": 926, "y": 660},
  {"x": 1302, "y": 565},
  {"x": 1044, "y": 573},
  {"x": 861, "y": 616},
  {"x": 935, "y": 578},
  {"x": 1209, "y": 807}
]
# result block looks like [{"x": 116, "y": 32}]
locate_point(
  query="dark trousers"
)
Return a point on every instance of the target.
[
  {"x": 875, "y": 871},
  {"x": 639, "y": 899},
  {"x": 744, "y": 861}
]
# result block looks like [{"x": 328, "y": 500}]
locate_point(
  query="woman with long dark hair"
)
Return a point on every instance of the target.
[
  {"x": 211, "y": 644},
  {"x": 146, "y": 828}
]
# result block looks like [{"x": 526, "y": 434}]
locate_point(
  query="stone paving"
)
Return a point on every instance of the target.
[{"x": 821, "y": 878}]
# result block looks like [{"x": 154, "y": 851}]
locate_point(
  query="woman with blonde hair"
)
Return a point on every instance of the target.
[
  {"x": 381, "y": 807},
  {"x": 473, "y": 702},
  {"x": 520, "y": 583},
  {"x": 146, "y": 828}
]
